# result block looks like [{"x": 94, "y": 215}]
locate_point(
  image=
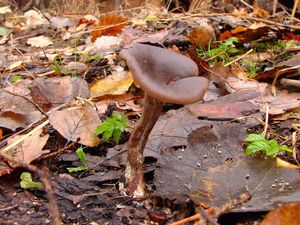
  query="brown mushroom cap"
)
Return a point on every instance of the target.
[{"x": 165, "y": 75}]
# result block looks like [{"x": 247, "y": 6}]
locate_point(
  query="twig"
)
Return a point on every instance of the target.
[
  {"x": 266, "y": 121},
  {"x": 238, "y": 58},
  {"x": 29, "y": 100},
  {"x": 12, "y": 145},
  {"x": 194, "y": 217},
  {"x": 53, "y": 206},
  {"x": 280, "y": 25},
  {"x": 246, "y": 4},
  {"x": 294, "y": 9},
  {"x": 275, "y": 3}
]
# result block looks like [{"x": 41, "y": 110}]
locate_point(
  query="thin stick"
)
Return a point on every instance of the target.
[
  {"x": 275, "y": 6},
  {"x": 188, "y": 219},
  {"x": 266, "y": 121},
  {"x": 14, "y": 144},
  {"x": 238, "y": 58},
  {"x": 193, "y": 218},
  {"x": 294, "y": 9},
  {"x": 53, "y": 206},
  {"x": 246, "y": 4}
]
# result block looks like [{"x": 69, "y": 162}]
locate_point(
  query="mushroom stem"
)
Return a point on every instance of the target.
[{"x": 134, "y": 173}]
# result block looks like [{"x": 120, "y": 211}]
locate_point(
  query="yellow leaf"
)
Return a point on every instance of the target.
[
  {"x": 14, "y": 65},
  {"x": 285, "y": 164},
  {"x": 115, "y": 84}
]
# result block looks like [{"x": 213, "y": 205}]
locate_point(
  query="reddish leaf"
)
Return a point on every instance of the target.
[
  {"x": 110, "y": 24},
  {"x": 285, "y": 215}
]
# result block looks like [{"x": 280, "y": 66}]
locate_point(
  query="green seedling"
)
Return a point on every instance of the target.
[
  {"x": 82, "y": 157},
  {"x": 112, "y": 127},
  {"x": 223, "y": 52},
  {"x": 16, "y": 78},
  {"x": 257, "y": 143},
  {"x": 28, "y": 183},
  {"x": 57, "y": 64},
  {"x": 91, "y": 58},
  {"x": 252, "y": 68},
  {"x": 4, "y": 31}
]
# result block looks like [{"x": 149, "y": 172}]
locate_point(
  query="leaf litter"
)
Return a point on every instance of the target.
[{"x": 194, "y": 153}]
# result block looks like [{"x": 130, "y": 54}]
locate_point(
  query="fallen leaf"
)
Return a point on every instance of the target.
[
  {"x": 54, "y": 91},
  {"x": 77, "y": 124},
  {"x": 210, "y": 167},
  {"x": 285, "y": 164},
  {"x": 5, "y": 10},
  {"x": 227, "y": 107},
  {"x": 115, "y": 84},
  {"x": 282, "y": 102},
  {"x": 109, "y": 24},
  {"x": 15, "y": 110},
  {"x": 74, "y": 68},
  {"x": 259, "y": 12},
  {"x": 284, "y": 215},
  {"x": 34, "y": 19},
  {"x": 106, "y": 43},
  {"x": 14, "y": 66},
  {"x": 40, "y": 41},
  {"x": 29, "y": 149}
]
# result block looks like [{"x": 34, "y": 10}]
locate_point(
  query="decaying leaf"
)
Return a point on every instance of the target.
[
  {"x": 211, "y": 168},
  {"x": 54, "y": 91},
  {"x": 30, "y": 149},
  {"x": 40, "y": 41},
  {"x": 282, "y": 102},
  {"x": 109, "y": 24},
  {"x": 115, "y": 84},
  {"x": 77, "y": 124},
  {"x": 284, "y": 215},
  {"x": 27, "y": 151},
  {"x": 34, "y": 18},
  {"x": 15, "y": 65},
  {"x": 15, "y": 110},
  {"x": 74, "y": 68},
  {"x": 227, "y": 107}
]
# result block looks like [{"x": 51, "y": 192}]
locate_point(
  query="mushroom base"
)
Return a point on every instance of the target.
[{"x": 134, "y": 174}]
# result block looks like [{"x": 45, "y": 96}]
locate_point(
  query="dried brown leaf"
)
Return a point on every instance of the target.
[{"x": 77, "y": 124}]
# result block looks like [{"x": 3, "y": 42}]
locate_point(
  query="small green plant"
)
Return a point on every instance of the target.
[
  {"x": 28, "y": 183},
  {"x": 223, "y": 52},
  {"x": 252, "y": 68},
  {"x": 82, "y": 157},
  {"x": 16, "y": 78},
  {"x": 112, "y": 127},
  {"x": 258, "y": 143},
  {"x": 91, "y": 58},
  {"x": 57, "y": 64}
]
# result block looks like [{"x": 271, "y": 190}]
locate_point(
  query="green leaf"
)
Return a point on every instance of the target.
[
  {"x": 257, "y": 146},
  {"x": 285, "y": 148},
  {"x": 77, "y": 169},
  {"x": 117, "y": 135},
  {"x": 16, "y": 78},
  {"x": 254, "y": 137},
  {"x": 81, "y": 155},
  {"x": 3, "y": 31},
  {"x": 112, "y": 127},
  {"x": 28, "y": 183}
]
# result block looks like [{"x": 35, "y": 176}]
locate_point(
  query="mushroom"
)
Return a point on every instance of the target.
[{"x": 165, "y": 77}]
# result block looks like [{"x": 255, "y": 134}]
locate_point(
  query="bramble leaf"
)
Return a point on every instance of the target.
[
  {"x": 112, "y": 127},
  {"x": 28, "y": 183}
]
